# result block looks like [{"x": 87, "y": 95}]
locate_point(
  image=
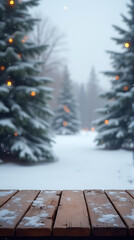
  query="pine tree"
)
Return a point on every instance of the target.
[
  {"x": 24, "y": 110},
  {"x": 83, "y": 106},
  {"x": 66, "y": 119},
  {"x": 93, "y": 100},
  {"x": 116, "y": 127}
]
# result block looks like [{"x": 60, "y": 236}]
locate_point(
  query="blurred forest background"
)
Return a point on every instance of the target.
[{"x": 87, "y": 94}]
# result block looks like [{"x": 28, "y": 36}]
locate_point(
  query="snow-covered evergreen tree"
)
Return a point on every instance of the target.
[
  {"x": 66, "y": 119},
  {"x": 24, "y": 109},
  {"x": 93, "y": 100},
  {"x": 83, "y": 106},
  {"x": 116, "y": 127}
]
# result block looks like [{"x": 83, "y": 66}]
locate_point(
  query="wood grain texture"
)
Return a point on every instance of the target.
[
  {"x": 124, "y": 204},
  {"x": 104, "y": 219},
  {"x": 5, "y": 195},
  {"x": 38, "y": 221},
  {"x": 72, "y": 217},
  {"x": 12, "y": 211}
]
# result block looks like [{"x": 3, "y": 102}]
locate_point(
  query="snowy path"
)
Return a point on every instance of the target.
[{"x": 80, "y": 166}]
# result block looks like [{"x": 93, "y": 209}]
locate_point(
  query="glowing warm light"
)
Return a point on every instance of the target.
[
  {"x": 117, "y": 77},
  {"x": 125, "y": 88},
  {"x": 33, "y": 94},
  {"x": 2, "y": 68},
  {"x": 10, "y": 40},
  {"x": 92, "y": 129},
  {"x": 66, "y": 109},
  {"x": 9, "y": 83},
  {"x": 15, "y": 134},
  {"x": 65, "y": 124},
  {"x": 65, "y": 8},
  {"x": 19, "y": 55},
  {"x": 106, "y": 121},
  {"x": 127, "y": 44},
  {"x": 24, "y": 39},
  {"x": 11, "y": 2}
]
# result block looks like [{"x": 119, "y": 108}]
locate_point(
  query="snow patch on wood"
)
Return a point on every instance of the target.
[
  {"x": 7, "y": 216},
  {"x": 112, "y": 193},
  {"x": 115, "y": 225},
  {"x": 122, "y": 199},
  {"x": 16, "y": 200},
  {"x": 50, "y": 206},
  {"x": 38, "y": 201},
  {"x": 106, "y": 205},
  {"x": 97, "y": 209},
  {"x": 107, "y": 218},
  {"x": 131, "y": 216},
  {"x": 68, "y": 199},
  {"x": 35, "y": 221},
  {"x": 50, "y": 192},
  {"x": 6, "y": 193}
]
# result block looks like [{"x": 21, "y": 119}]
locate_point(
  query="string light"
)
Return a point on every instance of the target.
[
  {"x": 24, "y": 39},
  {"x": 11, "y": 2},
  {"x": 15, "y": 134},
  {"x": 125, "y": 88},
  {"x": 19, "y": 55},
  {"x": 106, "y": 122},
  {"x": 127, "y": 44},
  {"x": 2, "y": 68},
  {"x": 66, "y": 109},
  {"x": 9, "y": 83},
  {"x": 65, "y": 124},
  {"x": 92, "y": 129},
  {"x": 10, "y": 40},
  {"x": 117, "y": 77},
  {"x": 33, "y": 94}
]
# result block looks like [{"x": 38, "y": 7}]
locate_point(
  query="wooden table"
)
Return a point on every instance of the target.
[{"x": 50, "y": 214}]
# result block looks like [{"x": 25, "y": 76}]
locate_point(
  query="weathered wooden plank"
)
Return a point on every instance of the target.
[
  {"x": 12, "y": 211},
  {"x": 104, "y": 219},
  {"x": 124, "y": 204},
  {"x": 72, "y": 217},
  {"x": 130, "y": 192},
  {"x": 5, "y": 195},
  {"x": 38, "y": 221}
]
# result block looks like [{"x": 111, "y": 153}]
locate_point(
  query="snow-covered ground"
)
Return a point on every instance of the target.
[{"x": 80, "y": 165}]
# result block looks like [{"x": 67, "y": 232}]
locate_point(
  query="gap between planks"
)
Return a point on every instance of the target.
[
  {"x": 76, "y": 232},
  {"x": 5, "y": 195},
  {"x": 72, "y": 217},
  {"x": 104, "y": 218},
  {"x": 123, "y": 202},
  {"x": 13, "y": 211},
  {"x": 38, "y": 221}
]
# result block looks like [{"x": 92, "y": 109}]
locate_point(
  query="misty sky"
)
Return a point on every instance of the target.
[{"x": 87, "y": 25}]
